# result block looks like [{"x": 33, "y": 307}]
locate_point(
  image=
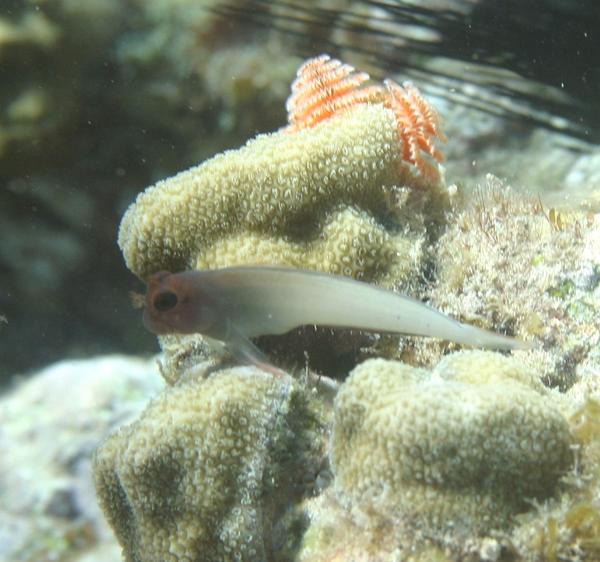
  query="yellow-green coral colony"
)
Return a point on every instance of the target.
[
  {"x": 209, "y": 467},
  {"x": 315, "y": 195},
  {"x": 280, "y": 196},
  {"x": 470, "y": 443},
  {"x": 212, "y": 466},
  {"x": 287, "y": 192}
]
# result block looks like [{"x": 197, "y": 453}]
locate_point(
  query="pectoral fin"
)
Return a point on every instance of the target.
[{"x": 244, "y": 351}]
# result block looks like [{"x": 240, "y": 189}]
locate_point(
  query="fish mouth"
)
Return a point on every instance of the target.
[{"x": 155, "y": 325}]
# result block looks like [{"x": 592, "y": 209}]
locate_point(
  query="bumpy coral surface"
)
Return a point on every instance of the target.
[
  {"x": 274, "y": 201},
  {"x": 464, "y": 446},
  {"x": 324, "y": 197},
  {"x": 209, "y": 468}
]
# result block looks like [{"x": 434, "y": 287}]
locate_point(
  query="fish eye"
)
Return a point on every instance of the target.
[{"x": 165, "y": 301}]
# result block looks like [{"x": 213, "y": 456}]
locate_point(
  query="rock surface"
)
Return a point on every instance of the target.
[{"x": 49, "y": 429}]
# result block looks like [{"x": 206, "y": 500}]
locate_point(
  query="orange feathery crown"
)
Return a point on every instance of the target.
[{"x": 325, "y": 87}]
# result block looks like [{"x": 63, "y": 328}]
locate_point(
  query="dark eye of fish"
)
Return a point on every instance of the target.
[{"x": 165, "y": 301}]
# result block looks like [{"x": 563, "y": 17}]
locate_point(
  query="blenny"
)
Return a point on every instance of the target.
[{"x": 235, "y": 304}]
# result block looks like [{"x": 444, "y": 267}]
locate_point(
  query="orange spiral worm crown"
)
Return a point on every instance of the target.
[{"x": 326, "y": 87}]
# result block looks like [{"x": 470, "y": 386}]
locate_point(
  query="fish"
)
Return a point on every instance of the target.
[{"x": 235, "y": 304}]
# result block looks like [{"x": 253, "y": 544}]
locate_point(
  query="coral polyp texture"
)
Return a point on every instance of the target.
[
  {"x": 209, "y": 468},
  {"x": 473, "y": 459},
  {"x": 323, "y": 197},
  {"x": 462, "y": 447}
]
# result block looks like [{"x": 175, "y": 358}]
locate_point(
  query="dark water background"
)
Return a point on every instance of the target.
[{"x": 100, "y": 100}]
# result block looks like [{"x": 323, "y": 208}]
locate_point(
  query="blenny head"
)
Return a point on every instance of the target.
[{"x": 177, "y": 304}]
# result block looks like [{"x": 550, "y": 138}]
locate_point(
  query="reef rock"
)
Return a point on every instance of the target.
[
  {"x": 508, "y": 263},
  {"x": 50, "y": 425}
]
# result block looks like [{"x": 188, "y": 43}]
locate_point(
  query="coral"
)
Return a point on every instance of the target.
[
  {"x": 465, "y": 446},
  {"x": 337, "y": 191},
  {"x": 335, "y": 535},
  {"x": 209, "y": 468},
  {"x": 569, "y": 529},
  {"x": 319, "y": 198},
  {"x": 282, "y": 193}
]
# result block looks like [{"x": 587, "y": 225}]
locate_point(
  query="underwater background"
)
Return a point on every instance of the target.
[{"x": 100, "y": 99}]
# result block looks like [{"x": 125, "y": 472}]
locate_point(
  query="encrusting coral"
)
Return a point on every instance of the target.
[
  {"x": 322, "y": 197},
  {"x": 209, "y": 468},
  {"x": 465, "y": 446},
  {"x": 569, "y": 529}
]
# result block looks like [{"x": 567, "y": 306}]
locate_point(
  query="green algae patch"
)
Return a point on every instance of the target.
[{"x": 563, "y": 290}]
